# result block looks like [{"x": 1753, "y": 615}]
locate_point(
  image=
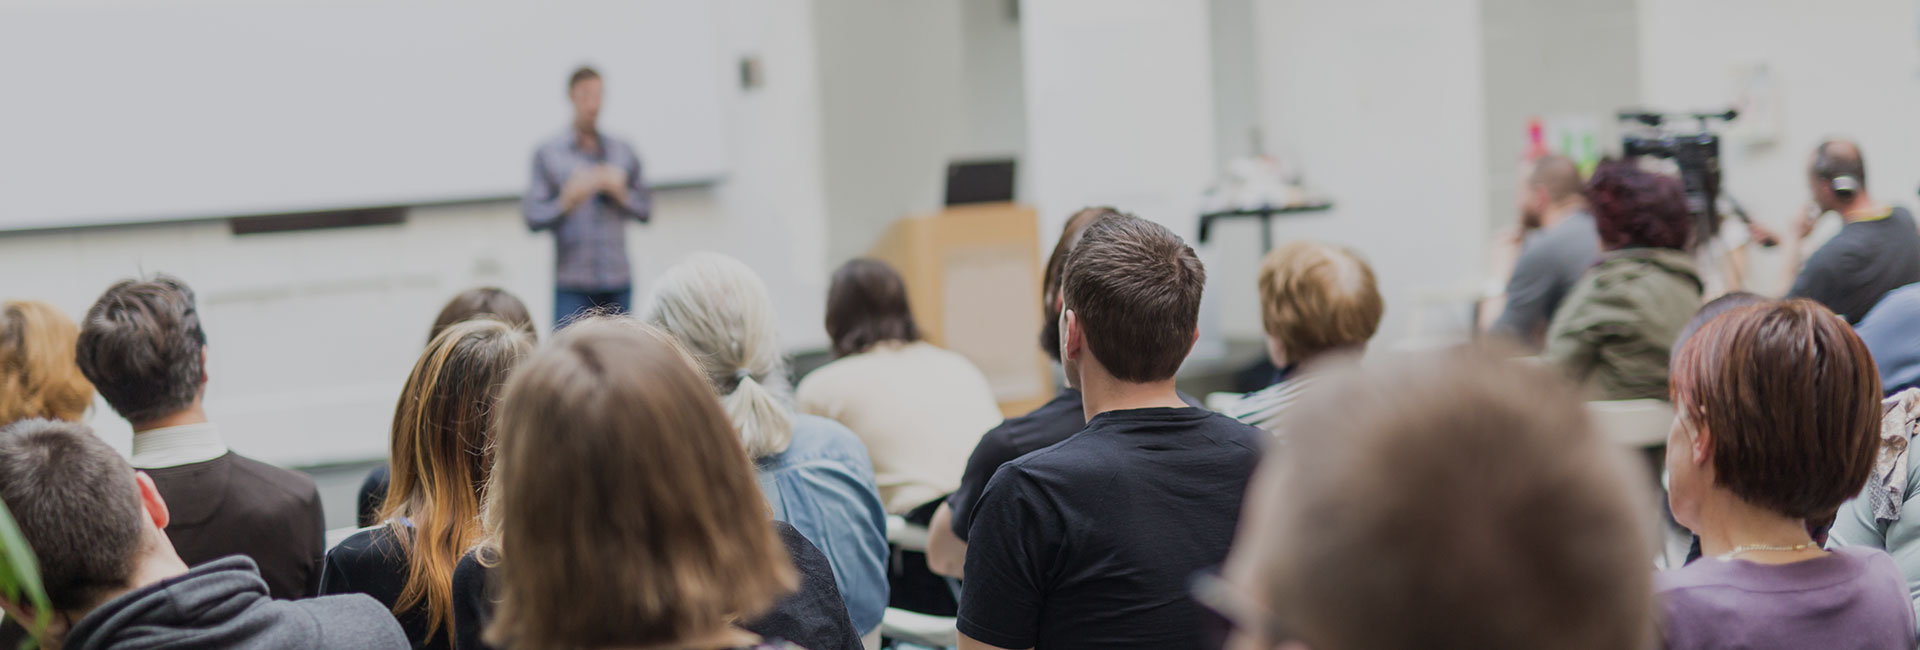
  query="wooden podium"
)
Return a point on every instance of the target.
[{"x": 973, "y": 280}]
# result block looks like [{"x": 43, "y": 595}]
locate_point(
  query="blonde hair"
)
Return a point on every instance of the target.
[
  {"x": 629, "y": 515},
  {"x": 1317, "y": 298},
  {"x": 38, "y": 375},
  {"x": 719, "y": 310},
  {"x": 443, "y": 454}
]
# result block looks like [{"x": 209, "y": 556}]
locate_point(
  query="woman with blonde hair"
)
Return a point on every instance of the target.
[
  {"x": 442, "y": 456},
  {"x": 814, "y": 472},
  {"x": 473, "y": 304},
  {"x": 642, "y": 526},
  {"x": 38, "y": 376}
]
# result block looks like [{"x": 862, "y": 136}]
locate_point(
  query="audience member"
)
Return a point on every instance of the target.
[
  {"x": 38, "y": 377},
  {"x": 1714, "y": 309},
  {"x": 1779, "y": 424},
  {"x": 918, "y": 408},
  {"x": 442, "y": 454},
  {"x": 1888, "y": 332},
  {"x": 814, "y": 472},
  {"x": 1089, "y": 543},
  {"x": 143, "y": 348},
  {"x": 1878, "y": 516},
  {"x": 1557, "y": 243},
  {"x": 483, "y": 302},
  {"x": 115, "y": 581},
  {"x": 1451, "y": 500},
  {"x": 1042, "y": 427},
  {"x": 611, "y": 424},
  {"x": 1877, "y": 251},
  {"x": 1315, "y": 300},
  {"x": 1614, "y": 332}
]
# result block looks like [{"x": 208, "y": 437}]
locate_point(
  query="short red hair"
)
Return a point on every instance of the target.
[{"x": 1791, "y": 398}]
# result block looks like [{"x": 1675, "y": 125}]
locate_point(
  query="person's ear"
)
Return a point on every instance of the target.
[
  {"x": 203, "y": 365},
  {"x": 1702, "y": 445},
  {"x": 155, "y": 506},
  {"x": 1070, "y": 335}
]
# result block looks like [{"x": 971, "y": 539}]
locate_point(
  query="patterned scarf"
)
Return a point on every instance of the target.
[{"x": 1902, "y": 420}]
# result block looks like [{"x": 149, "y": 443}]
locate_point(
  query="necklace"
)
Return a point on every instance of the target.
[{"x": 1743, "y": 548}]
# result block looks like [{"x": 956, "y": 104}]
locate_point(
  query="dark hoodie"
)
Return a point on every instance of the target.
[{"x": 224, "y": 604}]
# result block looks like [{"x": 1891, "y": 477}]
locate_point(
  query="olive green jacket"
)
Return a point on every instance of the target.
[{"x": 1614, "y": 331}]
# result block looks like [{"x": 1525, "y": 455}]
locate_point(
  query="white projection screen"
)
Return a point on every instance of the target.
[{"x": 160, "y": 110}]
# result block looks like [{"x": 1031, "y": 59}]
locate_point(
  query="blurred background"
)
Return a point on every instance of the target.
[{"x": 326, "y": 173}]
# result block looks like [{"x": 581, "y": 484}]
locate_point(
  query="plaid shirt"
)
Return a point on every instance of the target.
[{"x": 590, "y": 242}]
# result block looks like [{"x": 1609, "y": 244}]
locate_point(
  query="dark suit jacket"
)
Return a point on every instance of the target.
[{"x": 234, "y": 505}]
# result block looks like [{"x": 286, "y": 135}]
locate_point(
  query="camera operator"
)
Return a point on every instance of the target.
[
  {"x": 1877, "y": 251},
  {"x": 1556, "y": 241}
]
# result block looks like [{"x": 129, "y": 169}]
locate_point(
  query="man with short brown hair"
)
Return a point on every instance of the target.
[
  {"x": 115, "y": 581},
  {"x": 1060, "y": 417},
  {"x": 143, "y": 348},
  {"x": 1089, "y": 543},
  {"x": 1451, "y": 500}
]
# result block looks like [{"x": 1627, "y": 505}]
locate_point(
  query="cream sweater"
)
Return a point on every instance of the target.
[{"x": 919, "y": 408}]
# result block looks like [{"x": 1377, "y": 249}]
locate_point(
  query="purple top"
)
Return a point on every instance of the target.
[{"x": 1852, "y": 599}]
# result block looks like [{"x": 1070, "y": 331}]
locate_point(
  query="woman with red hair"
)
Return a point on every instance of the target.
[
  {"x": 1615, "y": 329},
  {"x": 1778, "y": 424}
]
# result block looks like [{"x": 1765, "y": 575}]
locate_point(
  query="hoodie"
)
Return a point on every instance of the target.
[
  {"x": 223, "y": 604},
  {"x": 1614, "y": 332}
]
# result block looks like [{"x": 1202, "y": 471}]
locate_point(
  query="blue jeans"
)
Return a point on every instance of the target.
[{"x": 568, "y": 303}]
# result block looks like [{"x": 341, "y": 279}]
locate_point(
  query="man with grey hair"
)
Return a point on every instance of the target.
[{"x": 114, "y": 580}]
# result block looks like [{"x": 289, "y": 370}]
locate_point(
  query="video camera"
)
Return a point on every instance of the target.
[{"x": 1696, "y": 152}]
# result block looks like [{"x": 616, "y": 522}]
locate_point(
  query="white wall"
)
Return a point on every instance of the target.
[
  {"x": 1380, "y": 103},
  {"x": 1236, "y": 77},
  {"x": 311, "y": 334},
  {"x": 891, "y": 112},
  {"x": 906, "y": 88},
  {"x": 993, "y": 69},
  {"x": 1552, "y": 59},
  {"x": 1844, "y": 67},
  {"x": 1119, "y": 107}
]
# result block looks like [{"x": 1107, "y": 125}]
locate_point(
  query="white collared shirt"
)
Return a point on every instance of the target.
[{"x": 175, "y": 446}]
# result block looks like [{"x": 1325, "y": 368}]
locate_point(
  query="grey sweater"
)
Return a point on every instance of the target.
[{"x": 224, "y": 604}]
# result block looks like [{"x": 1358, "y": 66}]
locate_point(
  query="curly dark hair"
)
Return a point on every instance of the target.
[
  {"x": 1636, "y": 208},
  {"x": 140, "y": 346}
]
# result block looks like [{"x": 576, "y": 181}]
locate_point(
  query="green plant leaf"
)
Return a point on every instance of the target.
[{"x": 20, "y": 584}]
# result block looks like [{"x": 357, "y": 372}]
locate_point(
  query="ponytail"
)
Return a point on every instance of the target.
[{"x": 765, "y": 421}]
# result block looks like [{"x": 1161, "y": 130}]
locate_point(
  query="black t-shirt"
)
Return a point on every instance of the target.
[
  {"x": 374, "y": 562},
  {"x": 814, "y": 617},
  {"x": 1867, "y": 259},
  {"x": 1090, "y": 543},
  {"x": 1041, "y": 428}
]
